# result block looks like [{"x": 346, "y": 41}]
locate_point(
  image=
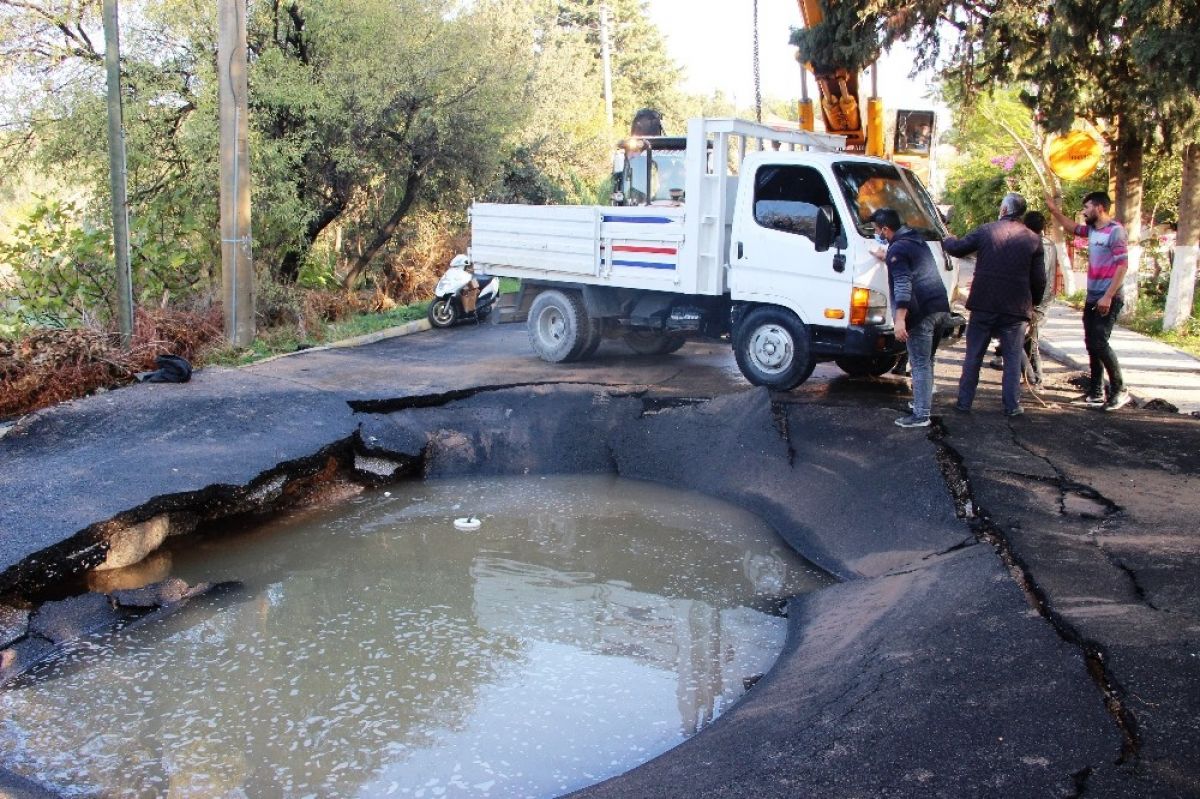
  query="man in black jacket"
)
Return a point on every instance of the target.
[
  {"x": 1010, "y": 278},
  {"x": 919, "y": 305}
]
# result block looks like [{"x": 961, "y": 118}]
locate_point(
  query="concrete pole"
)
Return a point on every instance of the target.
[
  {"x": 116, "y": 173},
  {"x": 606, "y": 60},
  {"x": 237, "y": 265}
]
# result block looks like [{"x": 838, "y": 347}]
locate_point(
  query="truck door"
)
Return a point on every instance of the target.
[{"x": 773, "y": 257}]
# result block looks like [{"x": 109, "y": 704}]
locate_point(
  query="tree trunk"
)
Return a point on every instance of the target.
[
  {"x": 1187, "y": 238},
  {"x": 289, "y": 267},
  {"x": 387, "y": 231},
  {"x": 1129, "y": 205}
]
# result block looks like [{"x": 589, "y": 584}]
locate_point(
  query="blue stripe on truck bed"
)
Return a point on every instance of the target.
[
  {"x": 644, "y": 264},
  {"x": 639, "y": 220}
]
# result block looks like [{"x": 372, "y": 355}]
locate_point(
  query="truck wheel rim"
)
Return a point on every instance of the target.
[
  {"x": 441, "y": 312},
  {"x": 551, "y": 326},
  {"x": 771, "y": 349}
]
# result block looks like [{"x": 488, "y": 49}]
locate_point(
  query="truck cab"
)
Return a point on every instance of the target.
[
  {"x": 649, "y": 170},
  {"x": 801, "y": 234}
]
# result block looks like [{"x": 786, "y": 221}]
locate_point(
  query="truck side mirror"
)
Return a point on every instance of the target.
[{"x": 826, "y": 228}]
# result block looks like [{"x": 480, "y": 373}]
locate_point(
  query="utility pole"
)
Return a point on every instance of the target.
[
  {"x": 237, "y": 265},
  {"x": 606, "y": 61},
  {"x": 116, "y": 173}
]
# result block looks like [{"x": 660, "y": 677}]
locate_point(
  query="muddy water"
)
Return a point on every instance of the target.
[{"x": 588, "y": 625}]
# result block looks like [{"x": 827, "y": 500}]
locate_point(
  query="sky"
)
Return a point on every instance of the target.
[{"x": 713, "y": 40}]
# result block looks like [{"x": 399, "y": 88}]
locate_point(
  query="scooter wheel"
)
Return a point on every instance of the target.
[{"x": 442, "y": 312}]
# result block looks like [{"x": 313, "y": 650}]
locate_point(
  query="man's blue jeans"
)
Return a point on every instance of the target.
[
  {"x": 920, "y": 360},
  {"x": 981, "y": 329}
]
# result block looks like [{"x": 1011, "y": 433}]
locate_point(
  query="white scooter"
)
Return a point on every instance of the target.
[{"x": 448, "y": 308}]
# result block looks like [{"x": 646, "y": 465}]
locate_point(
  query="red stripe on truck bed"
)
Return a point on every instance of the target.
[{"x": 658, "y": 250}]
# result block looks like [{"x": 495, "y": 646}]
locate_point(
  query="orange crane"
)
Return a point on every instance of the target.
[
  {"x": 841, "y": 110},
  {"x": 838, "y": 89}
]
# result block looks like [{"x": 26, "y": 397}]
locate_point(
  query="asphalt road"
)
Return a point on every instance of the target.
[{"x": 1018, "y": 612}]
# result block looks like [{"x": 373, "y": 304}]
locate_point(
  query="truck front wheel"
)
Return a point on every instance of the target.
[
  {"x": 772, "y": 348},
  {"x": 558, "y": 326}
]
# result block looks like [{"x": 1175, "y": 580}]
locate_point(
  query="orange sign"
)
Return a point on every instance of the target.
[{"x": 1074, "y": 155}]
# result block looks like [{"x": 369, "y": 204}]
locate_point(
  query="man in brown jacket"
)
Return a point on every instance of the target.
[{"x": 1010, "y": 278}]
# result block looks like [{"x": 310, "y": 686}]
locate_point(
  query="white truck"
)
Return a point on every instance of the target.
[{"x": 766, "y": 243}]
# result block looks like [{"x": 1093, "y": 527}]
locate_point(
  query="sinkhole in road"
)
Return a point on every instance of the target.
[{"x": 590, "y": 623}]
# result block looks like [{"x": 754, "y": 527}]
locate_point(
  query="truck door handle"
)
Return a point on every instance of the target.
[{"x": 739, "y": 250}]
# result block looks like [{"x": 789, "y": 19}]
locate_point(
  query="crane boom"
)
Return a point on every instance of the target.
[{"x": 837, "y": 87}]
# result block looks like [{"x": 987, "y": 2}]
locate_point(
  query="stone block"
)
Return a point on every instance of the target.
[
  {"x": 158, "y": 595},
  {"x": 128, "y": 545},
  {"x": 71, "y": 618},
  {"x": 13, "y": 622}
]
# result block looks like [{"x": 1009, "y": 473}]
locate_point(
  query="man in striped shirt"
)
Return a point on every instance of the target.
[{"x": 1108, "y": 260}]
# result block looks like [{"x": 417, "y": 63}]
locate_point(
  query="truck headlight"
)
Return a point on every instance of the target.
[{"x": 867, "y": 307}]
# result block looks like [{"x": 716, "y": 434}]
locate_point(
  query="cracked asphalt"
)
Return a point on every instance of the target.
[{"x": 1018, "y": 612}]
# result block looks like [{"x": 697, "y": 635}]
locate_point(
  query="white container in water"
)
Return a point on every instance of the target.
[{"x": 467, "y": 523}]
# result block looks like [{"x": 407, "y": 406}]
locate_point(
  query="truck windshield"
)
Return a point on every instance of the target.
[
  {"x": 868, "y": 187},
  {"x": 666, "y": 173}
]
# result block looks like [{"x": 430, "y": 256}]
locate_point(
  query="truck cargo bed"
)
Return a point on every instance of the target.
[{"x": 599, "y": 245}]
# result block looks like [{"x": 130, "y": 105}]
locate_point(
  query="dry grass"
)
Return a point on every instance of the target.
[{"x": 47, "y": 365}]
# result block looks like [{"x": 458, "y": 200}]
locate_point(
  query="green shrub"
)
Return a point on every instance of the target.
[{"x": 62, "y": 271}]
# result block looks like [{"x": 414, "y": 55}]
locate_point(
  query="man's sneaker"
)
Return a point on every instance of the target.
[
  {"x": 1118, "y": 401},
  {"x": 1089, "y": 401},
  {"x": 1017, "y": 411},
  {"x": 912, "y": 421}
]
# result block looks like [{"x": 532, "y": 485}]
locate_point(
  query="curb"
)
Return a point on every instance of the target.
[
  {"x": 415, "y": 326},
  {"x": 1066, "y": 359},
  {"x": 1061, "y": 355}
]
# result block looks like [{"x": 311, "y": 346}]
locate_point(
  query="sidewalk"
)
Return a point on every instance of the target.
[{"x": 1152, "y": 370}]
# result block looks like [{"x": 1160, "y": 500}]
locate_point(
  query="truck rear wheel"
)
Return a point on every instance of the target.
[
  {"x": 594, "y": 337},
  {"x": 772, "y": 348},
  {"x": 650, "y": 342},
  {"x": 558, "y": 326},
  {"x": 867, "y": 365}
]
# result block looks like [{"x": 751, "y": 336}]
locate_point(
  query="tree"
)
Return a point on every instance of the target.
[
  {"x": 1097, "y": 60},
  {"x": 54, "y": 122},
  {"x": 1164, "y": 40},
  {"x": 643, "y": 73},
  {"x": 361, "y": 111}
]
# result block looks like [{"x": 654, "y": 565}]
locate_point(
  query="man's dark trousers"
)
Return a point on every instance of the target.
[
  {"x": 1097, "y": 328},
  {"x": 981, "y": 329}
]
